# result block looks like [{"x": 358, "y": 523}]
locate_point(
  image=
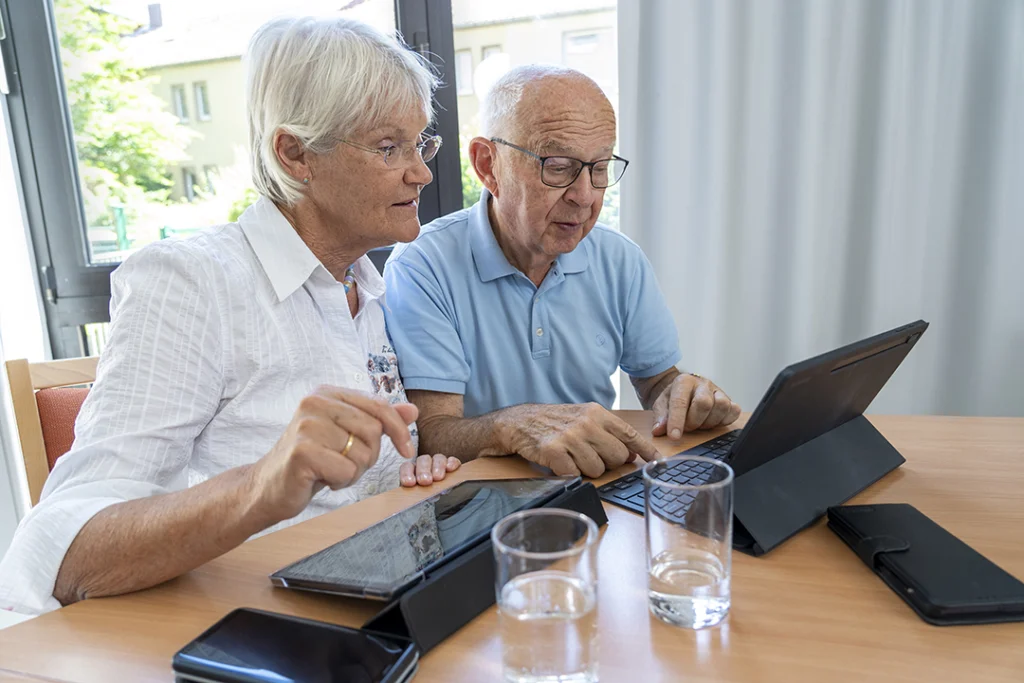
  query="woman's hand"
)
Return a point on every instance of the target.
[
  {"x": 427, "y": 469},
  {"x": 332, "y": 440}
]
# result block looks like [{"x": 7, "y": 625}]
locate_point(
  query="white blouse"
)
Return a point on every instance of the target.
[{"x": 213, "y": 341}]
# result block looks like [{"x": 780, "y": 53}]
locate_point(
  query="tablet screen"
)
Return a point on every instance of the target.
[{"x": 378, "y": 561}]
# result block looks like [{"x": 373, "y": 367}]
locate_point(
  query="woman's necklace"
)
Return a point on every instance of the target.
[{"x": 350, "y": 278}]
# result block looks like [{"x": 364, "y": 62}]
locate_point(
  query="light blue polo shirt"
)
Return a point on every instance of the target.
[{"x": 463, "y": 320}]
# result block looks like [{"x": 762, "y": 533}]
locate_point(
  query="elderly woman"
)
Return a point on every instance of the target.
[{"x": 249, "y": 382}]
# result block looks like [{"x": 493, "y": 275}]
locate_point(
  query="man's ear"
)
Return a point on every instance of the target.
[
  {"x": 292, "y": 156},
  {"x": 482, "y": 154}
]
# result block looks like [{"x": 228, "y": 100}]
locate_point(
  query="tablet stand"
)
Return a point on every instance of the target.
[
  {"x": 791, "y": 492},
  {"x": 463, "y": 588}
]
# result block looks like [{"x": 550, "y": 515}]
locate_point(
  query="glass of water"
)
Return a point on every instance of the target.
[
  {"x": 546, "y": 587},
  {"x": 688, "y": 514}
]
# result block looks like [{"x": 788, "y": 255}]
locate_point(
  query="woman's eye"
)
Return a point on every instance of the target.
[{"x": 386, "y": 150}]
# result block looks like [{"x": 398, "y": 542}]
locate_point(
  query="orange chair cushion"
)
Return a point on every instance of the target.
[{"x": 58, "y": 408}]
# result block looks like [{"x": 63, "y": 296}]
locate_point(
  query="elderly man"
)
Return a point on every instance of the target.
[{"x": 511, "y": 316}]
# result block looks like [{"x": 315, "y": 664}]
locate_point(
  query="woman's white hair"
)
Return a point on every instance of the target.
[{"x": 320, "y": 79}]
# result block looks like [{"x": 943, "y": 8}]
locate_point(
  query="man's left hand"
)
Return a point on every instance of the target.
[{"x": 692, "y": 402}]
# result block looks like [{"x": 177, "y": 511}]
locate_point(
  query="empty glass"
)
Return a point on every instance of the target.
[
  {"x": 546, "y": 587},
  {"x": 688, "y": 515}
]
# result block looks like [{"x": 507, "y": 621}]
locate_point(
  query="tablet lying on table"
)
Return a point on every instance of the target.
[
  {"x": 253, "y": 646},
  {"x": 388, "y": 558}
]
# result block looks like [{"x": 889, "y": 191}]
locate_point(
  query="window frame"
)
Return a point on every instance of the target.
[
  {"x": 466, "y": 77},
  {"x": 210, "y": 174},
  {"x": 188, "y": 183},
  {"x": 179, "y": 102},
  {"x": 76, "y": 291},
  {"x": 202, "y": 97}
]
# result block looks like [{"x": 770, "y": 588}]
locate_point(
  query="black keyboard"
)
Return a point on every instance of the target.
[{"x": 628, "y": 491}]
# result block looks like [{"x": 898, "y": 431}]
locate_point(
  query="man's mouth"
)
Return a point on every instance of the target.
[{"x": 410, "y": 203}]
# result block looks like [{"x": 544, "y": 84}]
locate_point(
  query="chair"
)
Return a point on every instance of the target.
[{"x": 47, "y": 397}]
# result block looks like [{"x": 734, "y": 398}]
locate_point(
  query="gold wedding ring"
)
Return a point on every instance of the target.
[{"x": 348, "y": 444}]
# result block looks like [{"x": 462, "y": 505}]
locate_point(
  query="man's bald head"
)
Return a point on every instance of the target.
[{"x": 529, "y": 96}]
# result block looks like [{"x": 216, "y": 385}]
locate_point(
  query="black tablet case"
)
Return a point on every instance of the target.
[
  {"x": 942, "y": 578},
  {"x": 463, "y": 588}
]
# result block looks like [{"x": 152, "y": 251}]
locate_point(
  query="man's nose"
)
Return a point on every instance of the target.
[{"x": 582, "y": 191}]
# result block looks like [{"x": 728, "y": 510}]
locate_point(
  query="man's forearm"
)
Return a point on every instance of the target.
[
  {"x": 648, "y": 390},
  {"x": 140, "y": 543},
  {"x": 470, "y": 437}
]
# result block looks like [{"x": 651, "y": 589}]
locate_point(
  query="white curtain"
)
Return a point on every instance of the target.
[{"x": 806, "y": 174}]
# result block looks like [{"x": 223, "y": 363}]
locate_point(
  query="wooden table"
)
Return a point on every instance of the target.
[{"x": 807, "y": 611}]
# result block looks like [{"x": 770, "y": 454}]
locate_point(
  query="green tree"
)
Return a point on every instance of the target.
[
  {"x": 123, "y": 136},
  {"x": 471, "y": 186}
]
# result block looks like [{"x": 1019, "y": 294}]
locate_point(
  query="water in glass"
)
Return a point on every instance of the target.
[
  {"x": 689, "y": 588},
  {"x": 549, "y": 629}
]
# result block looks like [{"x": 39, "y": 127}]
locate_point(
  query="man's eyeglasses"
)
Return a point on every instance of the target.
[
  {"x": 404, "y": 153},
  {"x": 563, "y": 171}
]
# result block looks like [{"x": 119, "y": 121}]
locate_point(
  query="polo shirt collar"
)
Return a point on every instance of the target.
[
  {"x": 490, "y": 260},
  {"x": 286, "y": 259}
]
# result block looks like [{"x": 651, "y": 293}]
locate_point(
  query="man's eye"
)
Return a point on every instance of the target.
[{"x": 387, "y": 150}]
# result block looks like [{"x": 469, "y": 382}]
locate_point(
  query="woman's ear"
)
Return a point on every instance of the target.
[
  {"x": 292, "y": 156},
  {"x": 482, "y": 154}
]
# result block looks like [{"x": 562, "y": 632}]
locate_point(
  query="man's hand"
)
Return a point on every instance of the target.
[
  {"x": 332, "y": 439},
  {"x": 427, "y": 469},
  {"x": 573, "y": 439},
  {"x": 692, "y": 402}
]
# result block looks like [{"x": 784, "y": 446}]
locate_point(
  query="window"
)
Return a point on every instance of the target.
[
  {"x": 581, "y": 43},
  {"x": 210, "y": 175},
  {"x": 178, "y": 104},
  {"x": 593, "y": 52},
  {"x": 464, "y": 72},
  {"x": 106, "y": 101},
  {"x": 188, "y": 183},
  {"x": 202, "y": 102},
  {"x": 573, "y": 33}
]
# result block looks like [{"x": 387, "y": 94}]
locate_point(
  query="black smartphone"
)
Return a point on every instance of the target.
[{"x": 253, "y": 646}]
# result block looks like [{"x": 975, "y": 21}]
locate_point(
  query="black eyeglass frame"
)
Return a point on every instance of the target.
[{"x": 583, "y": 164}]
